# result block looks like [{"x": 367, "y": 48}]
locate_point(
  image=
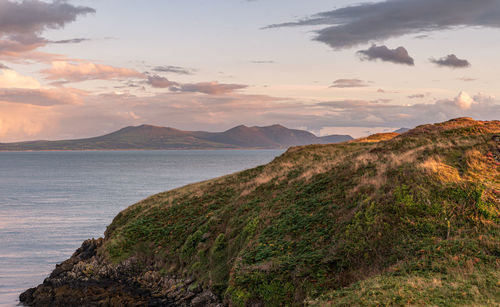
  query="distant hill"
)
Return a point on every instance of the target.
[
  {"x": 402, "y": 130},
  {"x": 153, "y": 137}
]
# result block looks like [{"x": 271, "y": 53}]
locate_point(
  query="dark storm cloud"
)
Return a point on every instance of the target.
[
  {"x": 452, "y": 61},
  {"x": 367, "y": 22},
  {"x": 399, "y": 55}
]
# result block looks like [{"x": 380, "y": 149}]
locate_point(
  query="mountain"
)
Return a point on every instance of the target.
[
  {"x": 402, "y": 130},
  {"x": 153, "y": 137},
  {"x": 410, "y": 219}
]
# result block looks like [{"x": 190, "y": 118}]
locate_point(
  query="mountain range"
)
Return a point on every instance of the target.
[{"x": 154, "y": 137}]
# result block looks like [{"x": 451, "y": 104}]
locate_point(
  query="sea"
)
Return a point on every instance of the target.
[{"x": 50, "y": 202}]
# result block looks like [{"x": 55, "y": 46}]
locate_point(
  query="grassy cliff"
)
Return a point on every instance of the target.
[{"x": 389, "y": 219}]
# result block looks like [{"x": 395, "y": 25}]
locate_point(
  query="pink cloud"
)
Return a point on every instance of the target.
[
  {"x": 13, "y": 79},
  {"x": 464, "y": 101},
  {"x": 42, "y": 97},
  {"x": 68, "y": 72},
  {"x": 191, "y": 111},
  {"x": 15, "y": 46},
  {"x": 22, "y": 121}
]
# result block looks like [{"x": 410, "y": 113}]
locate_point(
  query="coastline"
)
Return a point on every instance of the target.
[
  {"x": 88, "y": 275},
  {"x": 50, "y": 202},
  {"x": 159, "y": 149}
]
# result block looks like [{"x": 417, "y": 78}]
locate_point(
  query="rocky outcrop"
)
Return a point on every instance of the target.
[{"x": 86, "y": 279}]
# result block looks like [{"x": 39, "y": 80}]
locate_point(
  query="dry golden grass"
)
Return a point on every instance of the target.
[
  {"x": 483, "y": 168},
  {"x": 375, "y": 138},
  {"x": 444, "y": 172}
]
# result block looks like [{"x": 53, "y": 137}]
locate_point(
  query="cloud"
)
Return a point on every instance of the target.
[
  {"x": 452, "y": 61},
  {"x": 464, "y": 101},
  {"x": 399, "y": 55},
  {"x": 191, "y": 111},
  {"x": 484, "y": 98},
  {"x": 467, "y": 79},
  {"x": 71, "y": 41},
  {"x": 41, "y": 97},
  {"x": 375, "y": 21},
  {"x": 160, "y": 82},
  {"x": 263, "y": 62},
  {"x": 67, "y": 72},
  {"x": 174, "y": 69},
  {"x": 23, "y": 122},
  {"x": 373, "y": 114},
  {"x": 12, "y": 79},
  {"x": 188, "y": 111},
  {"x": 22, "y": 22},
  {"x": 14, "y": 46},
  {"x": 383, "y": 91},
  {"x": 35, "y": 16},
  {"x": 348, "y": 83},
  {"x": 350, "y": 103},
  {"x": 210, "y": 88},
  {"x": 417, "y": 96},
  {"x": 2, "y": 66}
]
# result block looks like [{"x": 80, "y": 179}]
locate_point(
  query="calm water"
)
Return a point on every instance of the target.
[{"x": 51, "y": 201}]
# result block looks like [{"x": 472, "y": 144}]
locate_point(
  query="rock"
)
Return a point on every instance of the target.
[
  {"x": 206, "y": 298},
  {"x": 86, "y": 279}
]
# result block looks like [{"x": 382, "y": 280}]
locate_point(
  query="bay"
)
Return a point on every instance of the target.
[{"x": 52, "y": 201}]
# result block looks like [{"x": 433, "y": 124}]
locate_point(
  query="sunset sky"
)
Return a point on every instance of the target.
[{"x": 71, "y": 69}]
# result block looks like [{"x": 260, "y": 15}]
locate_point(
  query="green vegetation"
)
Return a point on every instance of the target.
[{"x": 387, "y": 220}]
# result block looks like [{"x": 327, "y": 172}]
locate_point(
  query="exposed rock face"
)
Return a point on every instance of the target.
[{"x": 87, "y": 280}]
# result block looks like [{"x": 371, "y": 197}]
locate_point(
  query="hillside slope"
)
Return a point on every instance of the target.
[
  {"x": 275, "y": 136},
  {"x": 409, "y": 219},
  {"x": 154, "y": 137}
]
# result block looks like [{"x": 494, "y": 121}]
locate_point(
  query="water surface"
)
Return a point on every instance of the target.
[{"x": 51, "y": 201}]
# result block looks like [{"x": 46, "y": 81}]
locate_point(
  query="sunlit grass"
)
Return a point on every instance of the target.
[{"x": 388, "y": 220}]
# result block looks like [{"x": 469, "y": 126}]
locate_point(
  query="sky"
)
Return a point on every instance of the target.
[{"x": 73, "y": 69}]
